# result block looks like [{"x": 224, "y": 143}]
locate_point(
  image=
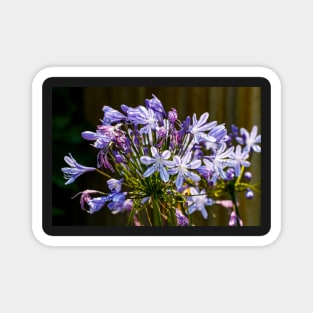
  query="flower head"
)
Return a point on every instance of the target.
[{"x": 75, "y": 169}]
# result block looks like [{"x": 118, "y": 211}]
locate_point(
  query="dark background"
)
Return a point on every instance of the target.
[{"x": 77, "y": 109}]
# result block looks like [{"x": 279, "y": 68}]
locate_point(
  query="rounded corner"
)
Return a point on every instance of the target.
[
  {"x": 270, "y": 75},
  {"x": 271, "y": 236},
  {"x": 41, "y": 236},
  {"x": 42, "y": 76}
]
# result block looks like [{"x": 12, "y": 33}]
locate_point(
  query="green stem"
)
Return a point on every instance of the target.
[{"x": 156, "y": 212}]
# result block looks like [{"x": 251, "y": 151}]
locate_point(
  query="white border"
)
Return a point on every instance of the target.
[{"x": 270, "y": 237}]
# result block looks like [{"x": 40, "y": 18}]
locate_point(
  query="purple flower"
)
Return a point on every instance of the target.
[
  {"x": 247, "y": 175},
  {"x": 219, "y": 160},
  {"x": 158, "y": 163},
  {"x": 156, "y": 105},
  {"x": 96, "y": 204},
  {"x": 106, "y": 134},
  {"x": 249, "y": 194},
  {"x": 238, "y": 159},
  {"x": 219, "y": 133},
  {"x": 199, "y": 127},
  {"x": 182, "y": 220},
  {"x": 208, "y": 173},
  {"x": 75, "y": 169},
  {"x": 112, "y": 116},
  {"x": 115, "y": 185},
  {"x": 118, "y": 203},
  {"x": 103, "y": 161},
  {"x": 146, "y": 117},
  {"x": 235, "y": 220},
  {"x": 172, "y": 115},
  {"x": 198, "y": 201},
  {"x": 101, "y": 140},
  {"x": 181, "y": 166},
  {"x": 251, "y": 140}
]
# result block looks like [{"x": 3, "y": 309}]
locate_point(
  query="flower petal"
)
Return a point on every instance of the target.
[
  {"x": 149, "y": 171},
  {"x": 147, "y": 160}
]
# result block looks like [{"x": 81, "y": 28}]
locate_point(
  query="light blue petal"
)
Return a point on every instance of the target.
[
  {"x": 254, "y": 131},
  {"x": 194, "y": 164},
  {"x": 172, "y": 171},
  {"x": 154, "y": 152},
  {"x": 204, "y": 212},
  {"x": 179, "y": 180},
  {"x": 256, "y": 148},
  {"x": 192, "y": 176},
  {"x": 203, "y": 118},
  {"x": 166, "y": 154},
  {"x": 164, "y": 174},
  {"x": 147, "y": 160},
  {"x": 149, "y": 171},
  {"x": 245, "y": 163}
]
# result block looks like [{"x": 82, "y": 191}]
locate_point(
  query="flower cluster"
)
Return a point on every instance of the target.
[{"x": 160, "y": 170}]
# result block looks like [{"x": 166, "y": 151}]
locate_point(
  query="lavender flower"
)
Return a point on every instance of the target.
[
  {"x": 96, "y": 204},
  {"x": 238, "y": 159},
  {"x": 158, "y": 163},
  {"x": 118, "y": 205},
  {"x": 75, "y": 169},
  {"x": 172, "y": 115},
  {"x": 112, "y": 116},
  {"x": 115, "y": 185},
  {"x": 182, "y": 220},
  {"x": 235, "y": 220},
  {"x": 146, "y": 117},
  {"x": 219, "y": 160},
  {"x": 181, "y": 166},
  {"x": 199, "y": 127},
  {"x": 197, "y": 202},
  {"x": 156, "y": 105},
  {"x": 251, "y": 140}
]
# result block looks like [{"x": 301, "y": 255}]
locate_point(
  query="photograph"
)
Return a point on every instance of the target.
[{"x": 137, "y": 155}]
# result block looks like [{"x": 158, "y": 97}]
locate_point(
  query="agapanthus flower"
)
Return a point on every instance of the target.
[
  {"x": 219, "y": 160},
  {"x": 156, "y": 105},
  {"x": 181, "y": 167},
  {"x": 182, "y": 220},
  {"x": 199, "y": 127},
  {"x": 234, "y": 220},
  {"x": 75, "y": 169},
  {"x": 238, "y": 159},
  {"x": 112, "y": 116},
  {"x": 96, "y": 204},
  {"x": 105, "y": 134},
  {"x": 198, "y": 201},
  {"x": 172, "y": 115},
  {"x": 249, "y": 194},
  {"x": 118, "y": 205},
  {"x": 158, "y": 163},
  {"x": 251, "y": 140},
  {"x": 115, "y": 185},
  {"x": 143, "y": 116}
]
